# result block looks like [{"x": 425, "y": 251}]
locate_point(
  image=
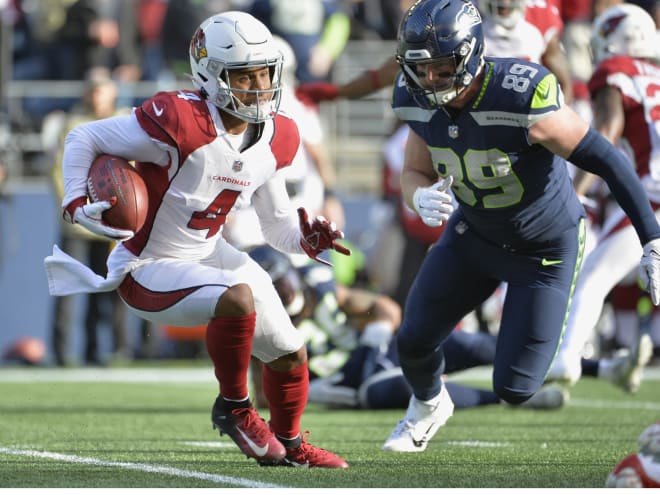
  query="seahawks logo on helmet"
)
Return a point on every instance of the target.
[
  {"x": 468, "y": 16},
  {"x": 198, "y": 45}
]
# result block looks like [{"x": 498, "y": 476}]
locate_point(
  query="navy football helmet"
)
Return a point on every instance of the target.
[{"x": 439, "y": 31}]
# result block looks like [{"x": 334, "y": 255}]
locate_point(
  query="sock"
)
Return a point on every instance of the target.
[
  {"x": 229, "y": 344},
  {"x": 286, "y": 392}
]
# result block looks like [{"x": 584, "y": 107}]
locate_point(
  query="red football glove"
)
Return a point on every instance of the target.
[
  {"x": 319, "y": 236},
  {"x": 317, "y": 91}
]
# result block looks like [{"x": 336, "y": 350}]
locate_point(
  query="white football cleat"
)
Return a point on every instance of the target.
[
  {"x": 547, "y": 397},
  {"x": 626, "y": 368},
  {"x": 421, "y": 422}
]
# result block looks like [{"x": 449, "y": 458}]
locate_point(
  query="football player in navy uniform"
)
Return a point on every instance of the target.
[{"x": 498, "y": 133}]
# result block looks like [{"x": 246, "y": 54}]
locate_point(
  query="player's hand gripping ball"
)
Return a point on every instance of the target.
[{"x": 113, "y": 177}]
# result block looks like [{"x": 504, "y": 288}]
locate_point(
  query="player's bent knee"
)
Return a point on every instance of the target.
[
  {"x": 235, "y": 301},
  {"x": 512, "y": 396}
]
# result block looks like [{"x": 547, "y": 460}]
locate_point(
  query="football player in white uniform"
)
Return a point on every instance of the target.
[
  {"x": 624, "y": 88},
  {"x": 526, "y": 30},
  {"x": 202, "y": 154}
]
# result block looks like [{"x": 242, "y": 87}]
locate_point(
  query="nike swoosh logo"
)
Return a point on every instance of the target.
[
  {"x": 260, "y": 451},
  {"x": 546, "y": 262},
  {"x": 547, "y": 93},
  {"x": 157, "y": 111}
]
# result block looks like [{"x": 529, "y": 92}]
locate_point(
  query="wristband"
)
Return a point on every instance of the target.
[{"x": 70, "y": 209}]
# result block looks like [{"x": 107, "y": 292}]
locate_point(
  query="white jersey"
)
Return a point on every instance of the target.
[
  {"x": 174, "y": 270},
  {"x": 524, "y": 41},
  {"x": 195, "y": 174}
]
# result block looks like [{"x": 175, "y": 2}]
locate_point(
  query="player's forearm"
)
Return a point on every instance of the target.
[{"x": 370, "y": 81}]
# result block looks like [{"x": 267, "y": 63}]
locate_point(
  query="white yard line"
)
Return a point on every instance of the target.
[
  {"x": 147, "y": 468},
  {"x": 185, "y": 375},
  {"x": 122, "y": 375}
]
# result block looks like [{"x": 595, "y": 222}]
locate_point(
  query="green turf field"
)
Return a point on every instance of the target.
[{"x": 151, "y": 428}]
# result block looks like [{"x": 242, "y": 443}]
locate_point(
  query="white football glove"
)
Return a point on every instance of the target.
[
  {"x": 434, "y": 204},
  {"x": 649, "y": 270},
  {"x": 90, "y": 217}
]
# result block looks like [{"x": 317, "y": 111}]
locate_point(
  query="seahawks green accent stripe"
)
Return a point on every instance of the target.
[
  {"x": 414, "y": 114},
  {"x": 489, "y": 73},
  {"x": 578, "y": 263},
  {"x": 546, "y": 93}
]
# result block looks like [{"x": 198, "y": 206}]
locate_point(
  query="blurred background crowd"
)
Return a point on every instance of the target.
[{"x": 66, "y": 61}]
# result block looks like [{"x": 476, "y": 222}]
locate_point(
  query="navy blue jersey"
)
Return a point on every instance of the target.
[{"x": 511, "y": 192}]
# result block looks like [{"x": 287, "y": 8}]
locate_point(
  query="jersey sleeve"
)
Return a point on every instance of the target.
[
  {"x": 180, "y": 119},
  {"x": 602, "y": 76},
  {"x": 546, "y": 97}
]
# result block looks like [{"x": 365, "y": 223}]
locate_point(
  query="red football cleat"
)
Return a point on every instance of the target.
[
  {"x": 309, "y": 456},
  {"x": 249, "y": 431}
]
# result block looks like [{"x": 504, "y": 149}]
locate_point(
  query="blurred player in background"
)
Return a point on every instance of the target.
[{"x": 624, "y": 89}]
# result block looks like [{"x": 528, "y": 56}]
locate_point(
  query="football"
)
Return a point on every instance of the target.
[
  {"x": 635, "y": 471},
  {"x": 113, "y": 176}
]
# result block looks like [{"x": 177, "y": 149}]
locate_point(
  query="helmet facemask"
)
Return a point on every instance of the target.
[
  {"x": 236, "y": 41},
  {"x": 266, "y": 101}
]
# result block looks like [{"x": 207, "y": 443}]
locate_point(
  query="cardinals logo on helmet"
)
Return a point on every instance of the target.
[
  {"x": 610, "y": 25},
  {"x": 198, "y": 45}
]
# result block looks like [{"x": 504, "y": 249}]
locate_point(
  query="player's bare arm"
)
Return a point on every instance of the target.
[
  {"x": 417, "y": 168},
  {"x": 560, "y": 132}
]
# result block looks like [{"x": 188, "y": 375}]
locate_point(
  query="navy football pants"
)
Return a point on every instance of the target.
[{"x": 459, "y": 273}]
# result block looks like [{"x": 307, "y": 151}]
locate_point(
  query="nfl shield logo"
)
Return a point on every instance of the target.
[{"x": 237, "y": 166}]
